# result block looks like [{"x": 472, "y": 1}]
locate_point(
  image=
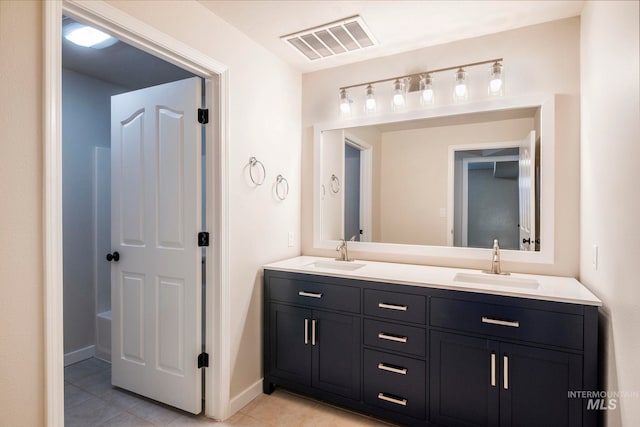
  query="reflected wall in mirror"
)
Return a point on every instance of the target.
[{"x": 459, "y": 181}]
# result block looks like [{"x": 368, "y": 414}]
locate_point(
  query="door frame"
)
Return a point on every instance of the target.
[
  {"x": 451, "y": 177},
  {"x": 366, "y": 192},
  {"x": 465, "y": 188},
  {"x": 151, "y": 40}
]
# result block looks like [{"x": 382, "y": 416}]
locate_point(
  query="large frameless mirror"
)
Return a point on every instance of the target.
[{"x": 442, "y": 182}]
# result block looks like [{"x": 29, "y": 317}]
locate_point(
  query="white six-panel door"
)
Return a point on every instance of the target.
[{"x": 156, "y": 215}]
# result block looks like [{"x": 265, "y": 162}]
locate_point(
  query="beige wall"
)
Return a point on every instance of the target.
[
  {"x": 415, "y": 173},
  {"x": 21, "y": 256},
  {"x": 610, "y": 152},
  {"x": 538, "y": 60}
]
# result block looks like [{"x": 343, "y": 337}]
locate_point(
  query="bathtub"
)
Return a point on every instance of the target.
[{"x": 103, "y": 335}]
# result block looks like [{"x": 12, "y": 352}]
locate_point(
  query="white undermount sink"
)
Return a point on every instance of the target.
[
  {"x": 494, "y": 279},
  {"x": 336, "y": 265}
]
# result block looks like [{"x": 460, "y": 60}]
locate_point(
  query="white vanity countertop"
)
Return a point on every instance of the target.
[{"x": 550, "y": 288}]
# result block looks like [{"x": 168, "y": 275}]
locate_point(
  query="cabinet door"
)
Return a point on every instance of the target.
[
  {"x": 336, "y": 353},
  {"x": 290, "y": 343},
  {"x": 534, "y": 385},
  {"x": 463, "y": 380}
]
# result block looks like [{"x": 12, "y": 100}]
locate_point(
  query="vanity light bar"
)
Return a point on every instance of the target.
[{"x": 401, "y": 85}]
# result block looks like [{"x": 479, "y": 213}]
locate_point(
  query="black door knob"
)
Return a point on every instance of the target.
[
  {"x": 113, "y": 257},
  {"x": 526, "y": 241}
]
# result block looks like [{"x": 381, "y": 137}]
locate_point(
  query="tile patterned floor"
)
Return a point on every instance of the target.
[{"x": 91, "y": 401}]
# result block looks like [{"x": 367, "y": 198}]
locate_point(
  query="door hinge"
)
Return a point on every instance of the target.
[
  {"x": 203, "y": 238},
  {"x": 203, "y": 115},
  {"x": 203, "y": 360}
]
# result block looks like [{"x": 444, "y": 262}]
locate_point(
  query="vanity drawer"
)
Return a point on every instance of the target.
[
  {"x": 314, "y": 294},
  {"x": 395, "y": 383},
  {"x": 537, "y": 326},
  {"x": 395, "y": 306},
  {"x": 395, "y": 337}
]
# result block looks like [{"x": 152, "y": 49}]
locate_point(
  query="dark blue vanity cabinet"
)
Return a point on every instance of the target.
[
  {"x": 423, "y": 356},
  {"x": 313, "y": 337}
]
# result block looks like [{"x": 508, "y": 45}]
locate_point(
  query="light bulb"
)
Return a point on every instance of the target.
[
  {"x": 86, "y": 36},
  {"x": 426, "y": 89},
  {"x": 460, "y": 92},
  {"x": 370, "y": 102},
  {"x": 398, "y": 95},
  {"x": 495, "y": 85},
  {"x": 496, "y": 80},
  {"x": 345, "y": 103}
]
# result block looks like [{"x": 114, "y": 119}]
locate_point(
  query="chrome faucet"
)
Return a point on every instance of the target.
[
  {"x": 495, "y": 260},
  {"x": 343, "y": 250}
]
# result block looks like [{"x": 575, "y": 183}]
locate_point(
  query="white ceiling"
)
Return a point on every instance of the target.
[{"x": 398, "y": 26}]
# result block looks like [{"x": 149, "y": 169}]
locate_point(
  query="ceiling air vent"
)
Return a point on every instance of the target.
[{"x": 335, "y": 38}]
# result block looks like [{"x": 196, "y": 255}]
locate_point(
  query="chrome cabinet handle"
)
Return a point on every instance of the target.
[
  {"x": 513, "y": 324},
  {"x": 392, "y": 306},
  {"x": 309, "y": 294},
  {"x": 402, "y": 402},
  {"x": 395, "y": 338},
  {"x": 401, "y": 371},
  {"x": 306, "y": 331},
  {"x": 313, "y": 331},
  {"x": 505, "y": 361},
  {"x": 493, "y": 369}
]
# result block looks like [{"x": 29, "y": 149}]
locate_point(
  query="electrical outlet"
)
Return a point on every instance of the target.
[{"x": 290, "y": 238}]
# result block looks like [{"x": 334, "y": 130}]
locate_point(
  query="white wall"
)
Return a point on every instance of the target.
[
  {"x": 264, "y": 121},
  {"x": 610, "y": 152},
  {"x": 540, "y": 59},
  {"x": 86, "y": 123}
]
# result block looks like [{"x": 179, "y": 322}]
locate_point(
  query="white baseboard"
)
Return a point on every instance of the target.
[
  {"x": 79, "y": 355},
  {"x": 243, "y": 399}
]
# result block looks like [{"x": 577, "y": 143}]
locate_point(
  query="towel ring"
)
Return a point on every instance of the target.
[
  {"x": 334, "y": 184},
  {"x": 253, "y": 162},
  {"x": 282, "y": 185}
]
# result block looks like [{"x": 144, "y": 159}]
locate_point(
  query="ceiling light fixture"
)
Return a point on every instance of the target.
[
  {"x": 426, "y": 89},
  {"x": 345, "y": 103},
  {"x": 460, "y": 91},
  {"x": 85, "y": 36},
  {"x": 496, "y": 80},
  {"x": 398, "y": 95},
  {"x": 370, "y": 101},
  {"x": 401, "y": 85}
]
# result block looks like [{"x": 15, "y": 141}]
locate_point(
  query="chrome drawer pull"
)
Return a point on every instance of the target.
[
  {"x": 306, "y": 331},
  {"x": 514, "y": 324},
  {"x": 401, "y": 371},
  {"x": 493, "y": 369},
  {"x": 505, "y": 361},
  {"x": 395, "y": 338},
  {"x": 386, "y": 398},
  {"x": 313, "y": 331},
  {"x": 309, "y": 294},
  {"x": 392, "y": 306}
]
